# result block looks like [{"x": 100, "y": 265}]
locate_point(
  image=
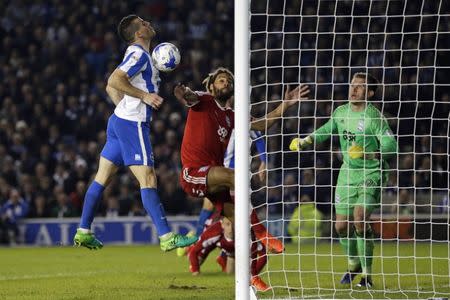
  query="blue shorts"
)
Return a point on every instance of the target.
[{"x": 128, "y": 142}]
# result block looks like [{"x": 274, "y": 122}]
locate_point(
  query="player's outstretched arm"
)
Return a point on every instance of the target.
[
  {"x": 195, "y": 259},
  {"x": 185, "y": 95},
  {"x": 320, "y": 135},
  {"x": 290, "y": 98},
  {"x": 298, "y": 144},
  {"x": 119, "y": 80}
]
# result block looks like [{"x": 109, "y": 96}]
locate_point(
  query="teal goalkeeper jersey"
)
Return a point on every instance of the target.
[{"x": 368, "y": 129}]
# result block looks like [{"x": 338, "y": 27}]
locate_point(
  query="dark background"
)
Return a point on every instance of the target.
[
  {"x": 55, "y": 58},
  {"x": 405, "y": 44}
]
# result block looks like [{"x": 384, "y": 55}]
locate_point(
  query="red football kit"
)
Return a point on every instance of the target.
[
  {"x": 206, "y": 135},
  {"x": 212, "y": 238}
]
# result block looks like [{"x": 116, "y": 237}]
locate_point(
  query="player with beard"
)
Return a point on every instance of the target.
[{"x": 206, "y": 136}]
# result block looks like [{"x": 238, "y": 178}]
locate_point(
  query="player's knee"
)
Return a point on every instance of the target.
[
  {"x": 148, "y": 181},
  {"x": 341, "y": 228},
  {"x": 146, "y": 176},
  {"x": 360, "y": 226},
  {"x": 102, "y": 177},
  {"x": 105, "y": 171},
  {"x": 359, "y": 221}
]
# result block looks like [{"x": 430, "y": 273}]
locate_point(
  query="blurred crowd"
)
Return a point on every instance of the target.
[
  {"x": 400, "y": 43},
  {"x": 56, "y": 56},
  {"x": 54, "y": 62}
]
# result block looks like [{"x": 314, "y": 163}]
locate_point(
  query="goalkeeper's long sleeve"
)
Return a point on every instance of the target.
[
  {"x": 388, "y": 143},
  {"x": 324, "y": 132},
  {"x": 388, "y": 147}
]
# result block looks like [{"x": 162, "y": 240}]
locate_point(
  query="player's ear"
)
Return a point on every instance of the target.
[
  {"x": 370, "y": 94},
  {"x": 137, "y": 34}
]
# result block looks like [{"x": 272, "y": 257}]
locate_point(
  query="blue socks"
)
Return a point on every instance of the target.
[
  {"x": 150, "y": 199},
  {"x": 90, "y": 205},
  {"x": 154, "y": 208},
  {"x": 204, "y": 215}
]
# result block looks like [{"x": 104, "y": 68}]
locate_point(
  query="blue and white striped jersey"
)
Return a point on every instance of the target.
[
  {"x": 228, "y": 161},
  {"x": 137, "y": 63}
]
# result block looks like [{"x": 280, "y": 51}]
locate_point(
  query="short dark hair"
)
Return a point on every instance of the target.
[
  {"x": 371, "y": 82},
  {"x": 127, "y": 28},
  {"x": 212, "y": 77}
]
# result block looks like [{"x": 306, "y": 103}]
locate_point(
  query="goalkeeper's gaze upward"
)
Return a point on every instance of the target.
[{"x": 366, "y": 143}]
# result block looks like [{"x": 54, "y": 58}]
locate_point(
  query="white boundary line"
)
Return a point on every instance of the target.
[{"x": 40, "y": 276}]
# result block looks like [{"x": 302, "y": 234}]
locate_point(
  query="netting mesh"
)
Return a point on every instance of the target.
[{"x": 405, "y": 44}]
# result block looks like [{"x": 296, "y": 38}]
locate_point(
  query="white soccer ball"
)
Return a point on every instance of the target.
[{"x": 166, "y": 57}]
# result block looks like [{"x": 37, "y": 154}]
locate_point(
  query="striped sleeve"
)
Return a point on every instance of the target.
[
  {"x": 260, "y": 144},
  {"x": 133, "y": 63}
]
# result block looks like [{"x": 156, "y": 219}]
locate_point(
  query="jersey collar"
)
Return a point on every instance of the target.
[
  {"x": 220, "y": 106},
  {"x": 137, "y": 45}
]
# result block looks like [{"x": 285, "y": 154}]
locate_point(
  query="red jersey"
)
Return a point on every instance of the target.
[
  {"x": 210, "y": 239},
  {"x": 207, "y": 132}
]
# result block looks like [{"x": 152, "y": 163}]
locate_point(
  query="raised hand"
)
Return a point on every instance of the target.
[
  {"x": 153, "y": 100},
  {"x": 179, "y": 91},
  {"x": 185, "y": 94},
  {"x": 299, "y": 93}
]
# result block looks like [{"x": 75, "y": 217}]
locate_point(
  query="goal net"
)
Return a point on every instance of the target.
[{"x": 405, "y": 45}]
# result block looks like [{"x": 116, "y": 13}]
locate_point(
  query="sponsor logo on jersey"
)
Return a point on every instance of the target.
[
  {"x": 347, "y": 135},
  {"x": 135, "y": 57},
  {"x": 222, "y": 132},
  {"x": 137, "y": 157}
]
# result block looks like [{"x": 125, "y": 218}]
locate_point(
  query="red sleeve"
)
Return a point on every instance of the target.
[
  {"x": 206, "y": 243},
  {"x": 202, "y": 97},
  {"x": 193, "y": 256}
]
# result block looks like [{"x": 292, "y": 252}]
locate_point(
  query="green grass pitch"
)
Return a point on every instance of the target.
[{"x": 144, "y": 272}]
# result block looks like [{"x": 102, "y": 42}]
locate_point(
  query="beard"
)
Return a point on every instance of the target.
[{"x": 224, "y": 94}]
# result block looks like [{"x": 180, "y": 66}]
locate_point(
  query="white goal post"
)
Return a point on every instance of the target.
[
  {"x": 323, "y": 43},
  {"x": 242, "y": 176}
]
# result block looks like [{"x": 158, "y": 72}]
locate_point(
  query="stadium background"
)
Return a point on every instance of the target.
[
  {"x": 318, "y": 49},
  {"x": 55, "y": 59},
  {"x": 56, "y": 56}
]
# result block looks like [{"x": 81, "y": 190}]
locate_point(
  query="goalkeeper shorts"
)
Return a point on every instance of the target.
[{"x": 359, "y": 189}]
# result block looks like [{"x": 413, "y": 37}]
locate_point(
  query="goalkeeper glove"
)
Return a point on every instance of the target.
[
  {"x": 355, "y": 151},
  {"x": 298, "y": 144}
]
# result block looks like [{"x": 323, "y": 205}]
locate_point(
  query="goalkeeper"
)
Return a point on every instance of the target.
[{"x": 366, "y": 143}]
